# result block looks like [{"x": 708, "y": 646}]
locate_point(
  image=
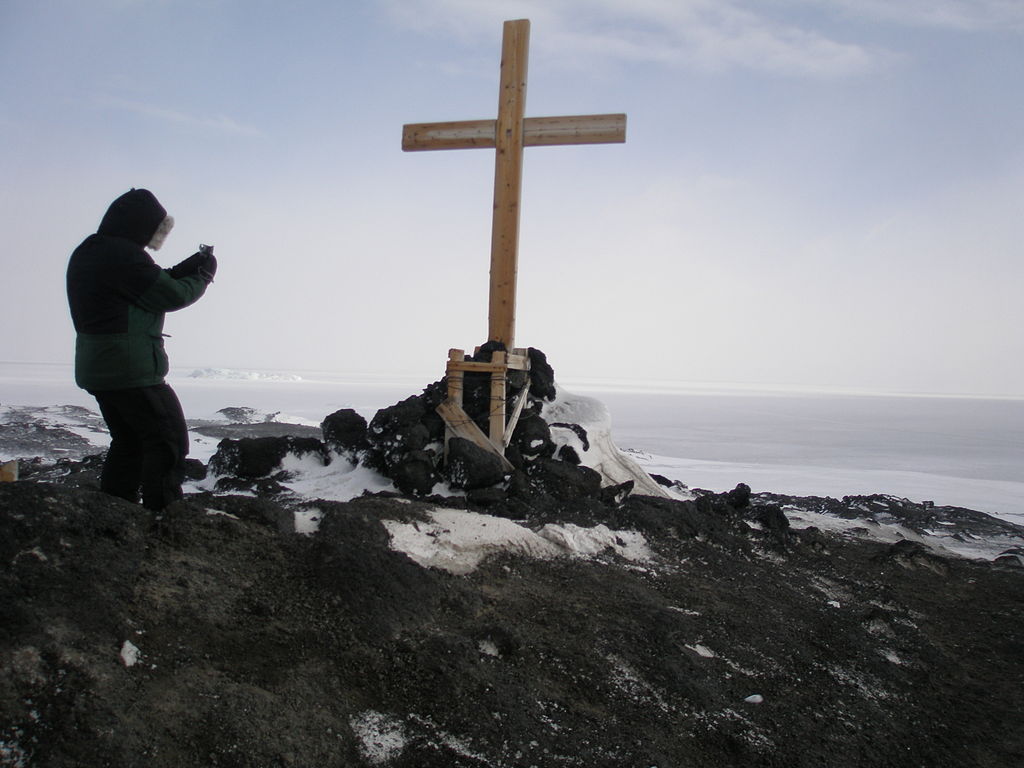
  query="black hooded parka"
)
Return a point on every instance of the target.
[{"x": 118, "y": 296}]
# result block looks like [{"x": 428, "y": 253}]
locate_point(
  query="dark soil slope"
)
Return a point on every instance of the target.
[{"x": 215, "y": 636}]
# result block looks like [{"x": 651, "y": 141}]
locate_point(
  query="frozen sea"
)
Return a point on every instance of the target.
[{"x": 960, "y": 451}]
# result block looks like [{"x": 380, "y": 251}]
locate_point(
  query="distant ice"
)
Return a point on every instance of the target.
[
  {"x": 1001, "y": 498},
  {"x": 231, "y": 373}
]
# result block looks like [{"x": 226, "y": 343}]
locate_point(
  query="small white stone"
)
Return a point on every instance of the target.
[
  {"x": 130, "y": 655},
  {"x": 755, "y": 699},
  {"x": 488, "y": 648}
]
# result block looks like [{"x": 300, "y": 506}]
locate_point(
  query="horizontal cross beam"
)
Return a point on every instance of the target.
[{"x": 537, "y": 132}]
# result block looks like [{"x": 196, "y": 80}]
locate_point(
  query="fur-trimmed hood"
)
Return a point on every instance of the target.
[{"x": 136, "y": 215}]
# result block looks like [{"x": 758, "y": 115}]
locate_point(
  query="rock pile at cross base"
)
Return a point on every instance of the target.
[
  {"x": 214, "y": 635},
  {"x": 405, "y": 442}
]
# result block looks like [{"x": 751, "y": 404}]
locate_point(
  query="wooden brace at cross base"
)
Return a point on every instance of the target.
[{"x": 459, "y": 424}]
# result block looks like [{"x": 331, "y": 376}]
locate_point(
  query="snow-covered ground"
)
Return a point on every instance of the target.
[{"x": 953, "y": 451}]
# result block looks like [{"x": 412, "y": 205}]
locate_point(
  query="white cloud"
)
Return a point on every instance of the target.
[
  {"x": 220, "y": 123},
  {"x": 707, "y": 34},
  {"x": 950, "y": 14}
]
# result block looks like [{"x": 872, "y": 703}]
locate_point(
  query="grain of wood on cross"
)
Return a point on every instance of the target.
[{"x": 508, "y": 135}]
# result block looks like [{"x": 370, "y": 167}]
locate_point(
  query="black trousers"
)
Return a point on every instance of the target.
[{"x": 148, "y": 444}]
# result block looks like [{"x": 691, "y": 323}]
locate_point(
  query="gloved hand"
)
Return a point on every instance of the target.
[
  {"x": 189, "y": 266},
  {"x": 202, "y": 264},
  {"x": 208, "y": 268}
]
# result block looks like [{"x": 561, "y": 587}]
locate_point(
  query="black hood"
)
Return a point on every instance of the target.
[{"x": 135, "y": 215}]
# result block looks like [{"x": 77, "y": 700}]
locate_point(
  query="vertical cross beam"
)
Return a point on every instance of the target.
[{"x": 508, "y": 175}]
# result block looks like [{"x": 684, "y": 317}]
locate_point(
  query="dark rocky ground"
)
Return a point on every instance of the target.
[
  {"x": 261, "y": 647},
  {"x": 213, "y": 634}
]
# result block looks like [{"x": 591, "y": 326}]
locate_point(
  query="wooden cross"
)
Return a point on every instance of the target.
[{"x": 508, "y": 135}]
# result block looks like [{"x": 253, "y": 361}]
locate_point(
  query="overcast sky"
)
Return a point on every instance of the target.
[{"x": 812, "y": 192}]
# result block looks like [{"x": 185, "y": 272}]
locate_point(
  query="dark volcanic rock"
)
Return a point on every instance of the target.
[
  {"x": 396, "y": 430},
  {"x": 255, "y": 457},
  {"x": 568, "y": 454},
  {"x": 563, "y": 481},
  {"x": 616, "y": 494},
  {"x": 676, "y": 519},
  {"x": 739, "y": 497},
  {"x": 405, "y": 441},
  {"x": 542, "y": 376},
  {"x": 470, "y": 467},
  {"x": 485, "y": 352},
  {"x": 414, "y": 473},
  {"x": 532, "y": 436},
  {"x": 194, "y": 469},
  {"x": 772, "y": 518},
  {"x": 345, "y": 432}
]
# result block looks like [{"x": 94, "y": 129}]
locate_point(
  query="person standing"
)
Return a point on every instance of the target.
[{"x": 118, "y": 297}]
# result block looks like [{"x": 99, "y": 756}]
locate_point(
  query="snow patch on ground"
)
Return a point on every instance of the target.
[
  {"x": 341, "y": 480},
  {"x": 458, "y": 541},
  {"x": 307, "y": 520},
  {"x": 308, "y": 477},
  {"x": 381, "y": 737},
  {"x": 202, "y": 447},
  {"x": 590, "y": 542},
  {"x": 702, "y": 650}
]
